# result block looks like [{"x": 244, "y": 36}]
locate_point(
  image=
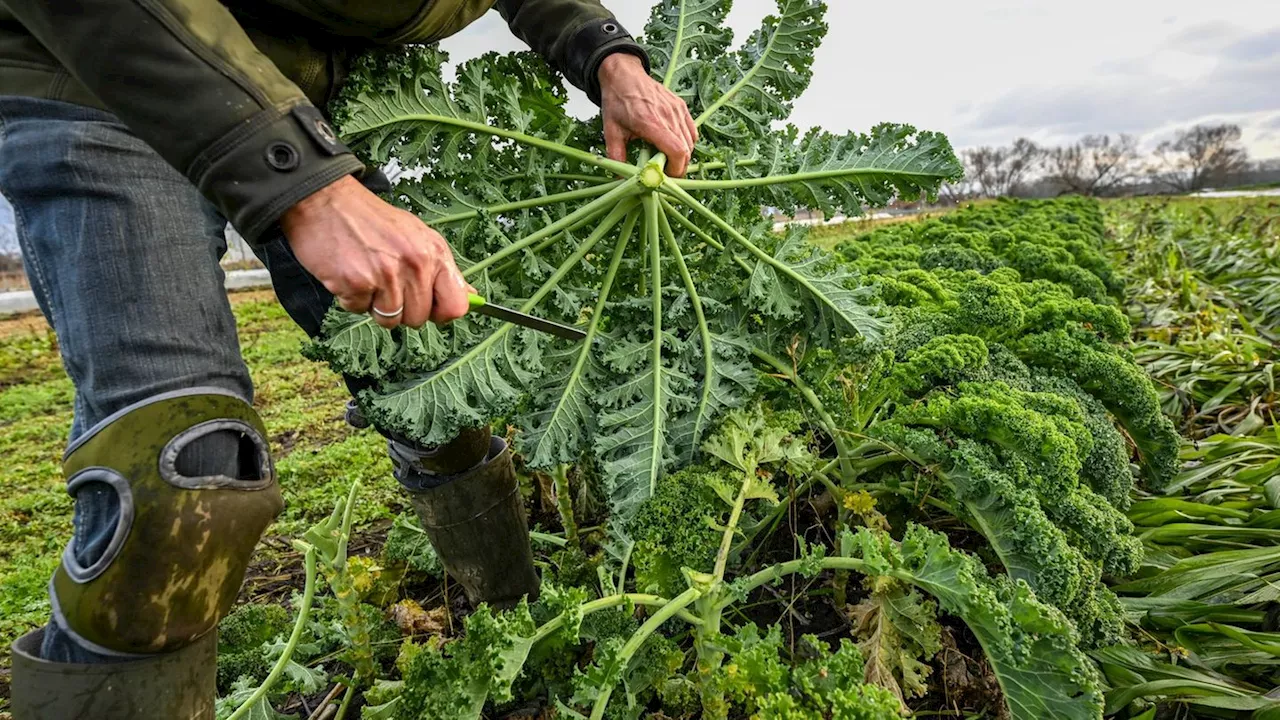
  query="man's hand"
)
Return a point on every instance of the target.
[
  {"x": 637, "y": 106},
  {"x": 373, "y": 256}
]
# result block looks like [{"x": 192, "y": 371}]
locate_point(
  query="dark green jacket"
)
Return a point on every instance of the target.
[{"x": 227, "y": 91}]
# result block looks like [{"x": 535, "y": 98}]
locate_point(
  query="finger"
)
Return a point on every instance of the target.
[
  {"x": 418, "y": 295},
  {"x": 353, "y": 301},
  {"x": 451, "y": 301},
  {"x": 615, "y": 141},
  {"x": 671, "y": 144},
  {"x": 679, "y": 153},
  {"x": 388, "y": 304},
  {"x": 682, "y": 109}
]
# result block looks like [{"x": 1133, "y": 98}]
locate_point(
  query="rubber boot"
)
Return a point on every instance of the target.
[
  {"x": 468, "y": 501},
  {"x": 180, "y": 685}
]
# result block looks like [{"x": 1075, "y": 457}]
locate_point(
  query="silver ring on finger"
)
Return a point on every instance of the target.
[{"x": 389, "y": 315}]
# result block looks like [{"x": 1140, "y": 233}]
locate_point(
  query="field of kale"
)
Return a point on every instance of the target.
[
  {"x": 1015, "y": 461},
  {"x": 987, "y": 512}
]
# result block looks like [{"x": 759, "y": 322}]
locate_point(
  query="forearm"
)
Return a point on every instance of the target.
[
  {"x": 575, "y": 36},
  {"x": 184, "y": 77}
]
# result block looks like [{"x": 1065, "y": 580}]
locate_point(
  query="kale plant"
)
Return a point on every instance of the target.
[
  {"x": 659, "y": 271},
  {"x": 735, "y": 671}
]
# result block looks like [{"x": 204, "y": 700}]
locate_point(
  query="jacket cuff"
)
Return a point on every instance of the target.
[
  {"x": 267, "y": 164},
  {"x": 588, "y": 48}
]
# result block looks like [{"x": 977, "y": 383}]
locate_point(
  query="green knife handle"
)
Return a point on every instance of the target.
[{"x": 476, "y": 301}]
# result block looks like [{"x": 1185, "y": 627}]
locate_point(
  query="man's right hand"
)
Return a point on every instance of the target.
[{"x": 373, "y": 256}]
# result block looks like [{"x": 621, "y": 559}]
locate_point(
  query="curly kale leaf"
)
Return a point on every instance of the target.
[
  {"x": 899, "y": 634},
  {"x": 242, "y": 636},
  {"x": 407, "y": 546},
  {"x": 762, "y": 678},
  {"x": 1032, "y": 647},
  {"x": 455, "y": 681}
]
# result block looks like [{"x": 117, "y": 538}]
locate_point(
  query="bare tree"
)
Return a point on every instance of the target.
[
  {"x": 1096, "y": 165},
  {"x": 1200, "y": 157},
  {"x": 1001, "y": 171},
  {"x": 1270, "y": 165}
]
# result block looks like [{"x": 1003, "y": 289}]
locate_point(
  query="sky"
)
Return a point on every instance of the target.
[{"x": 989, "y": 71}]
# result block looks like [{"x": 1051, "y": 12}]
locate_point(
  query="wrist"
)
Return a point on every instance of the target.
[
  {"x": 619, "y": 65},
  {"x": 320, "y": 201}
]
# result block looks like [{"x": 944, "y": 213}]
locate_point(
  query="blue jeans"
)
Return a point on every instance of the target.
[{"x": 122, "y": 253}]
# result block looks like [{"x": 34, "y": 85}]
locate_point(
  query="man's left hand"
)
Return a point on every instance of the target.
[{"x": 637, "y": 106}]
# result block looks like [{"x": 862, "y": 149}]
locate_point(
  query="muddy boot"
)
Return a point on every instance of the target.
[
  {"x": 469, "y": 503},
  {"x": 179, "y": 685}
]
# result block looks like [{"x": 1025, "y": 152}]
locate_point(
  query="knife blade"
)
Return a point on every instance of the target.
[{"x": 515, "y": 317}]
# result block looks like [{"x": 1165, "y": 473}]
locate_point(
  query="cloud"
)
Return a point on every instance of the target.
[
  {"x": 1206, "y": 37},
  {"x": 1258, "y": 47},
  {"x": 1242, "y": 81}
]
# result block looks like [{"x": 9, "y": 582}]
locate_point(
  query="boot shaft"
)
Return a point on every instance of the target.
[
  {"x": 179, "y": 685},
  {"x": 476, "y": 522}
]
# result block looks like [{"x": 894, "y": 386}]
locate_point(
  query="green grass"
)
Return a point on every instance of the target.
[
  {"x": 317, "y": 453},
  {"x": 1255, "y": 186}
]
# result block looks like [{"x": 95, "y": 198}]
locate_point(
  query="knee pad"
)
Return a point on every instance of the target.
[{"x": 196, "y": 489}]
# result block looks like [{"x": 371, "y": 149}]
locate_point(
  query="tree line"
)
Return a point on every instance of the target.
[{"x": 1196, "y": 158}]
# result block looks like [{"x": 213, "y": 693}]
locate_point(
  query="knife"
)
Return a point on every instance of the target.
[{"x": 515, "y": 317}]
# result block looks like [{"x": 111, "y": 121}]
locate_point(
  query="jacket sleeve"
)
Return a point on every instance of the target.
[
  {"x": 186, "y": 79},
  {"x": 575, "y": 36}
]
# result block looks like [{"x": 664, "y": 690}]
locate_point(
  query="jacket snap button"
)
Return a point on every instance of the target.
[
  {"x": 609, "y": 28},
  {"x": 326, "y": 131},
  {"x": 282, "y": 156}
]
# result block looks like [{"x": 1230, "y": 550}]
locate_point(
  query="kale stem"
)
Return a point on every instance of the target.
[
  {"x": 720, "y": 165},
  {"x": 702, "y": 234},
  {"x": 593, "y": 326},
  {"x": 571, "y": 177},
  {"x": 606, "y": 603},
  {"x": 548, "y": 538},
  {"x": 570, "y": 196},
  {"x": 711, "y": 608},
  {"x": 708, "y": 349},
  {"x": 833, "y": 429},
  {"x": 621, "y": 168},
  {"x": 739, "y": 183},
  {"x": 346, "y": 702},
  {"x": 572, "y": 261},
  {"x": 655, "y": 258},
  {"x": 564, "y": 503},
  {"x": 746, "y": 80},
  {"x": 735, "y": 515},
  {"x": 792, "y": 567},
  {"x": 304, "y": 612},
  {"x": 688, "y": 225},
  {"x": 613, "y": 197},
  {"x": 668, "y": 611},
  {"x": 679, "y": 193},
  {"x": 677, "y": 47},
  {"x": 606, "y": 225},
  {"x": 340, "y": 559},
  {"x": 514, "y": 262}
]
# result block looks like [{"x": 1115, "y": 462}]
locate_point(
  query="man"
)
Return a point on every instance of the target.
[{"x": 131, "y": 131}]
